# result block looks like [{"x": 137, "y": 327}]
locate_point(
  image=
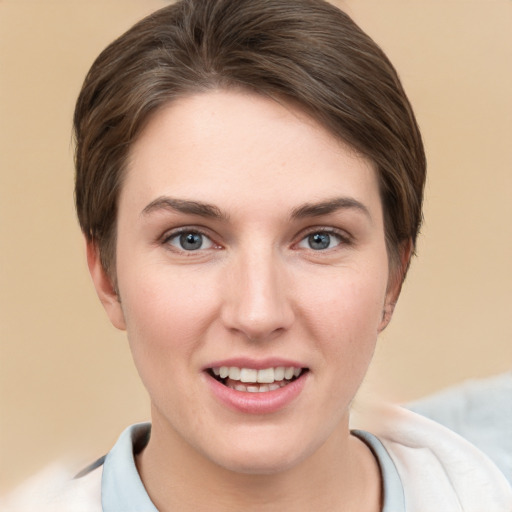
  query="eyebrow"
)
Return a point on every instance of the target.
[
  {"x": 329, "y": 206},
  {"x": 211, "y": 211},
  {"x": 184, "y": 206}
]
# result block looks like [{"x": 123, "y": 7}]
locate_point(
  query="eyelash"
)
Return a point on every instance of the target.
[
  {"x": 342, "y": 237},
  {"x": 175, "y": 235}
]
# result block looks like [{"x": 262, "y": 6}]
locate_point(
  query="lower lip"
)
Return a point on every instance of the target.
[{"x": 266, "y": 402}]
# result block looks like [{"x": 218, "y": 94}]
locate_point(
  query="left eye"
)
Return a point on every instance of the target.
[
  {"x": 190, "y": 241},
  {"x": 320, "y": 241}
]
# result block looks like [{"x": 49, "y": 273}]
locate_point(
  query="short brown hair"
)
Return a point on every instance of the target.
[{"x": 305, "y": 51}]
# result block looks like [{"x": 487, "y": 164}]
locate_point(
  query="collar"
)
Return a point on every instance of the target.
[
  {"x": 393, "y": 499},
  {"x": 121, "y": 486}
]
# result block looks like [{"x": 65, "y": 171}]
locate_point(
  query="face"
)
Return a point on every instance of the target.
[{"x": 252, "y": 275}]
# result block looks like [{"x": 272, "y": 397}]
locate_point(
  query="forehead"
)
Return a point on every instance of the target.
[{"x": 222, "y": 144}]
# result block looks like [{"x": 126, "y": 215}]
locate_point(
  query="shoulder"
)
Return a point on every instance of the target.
[
  {"x": 54, "y": 490},
  {"x": 439, "y": 467},
  {"x": 471, "y": 404},
  {"x": 480, "y": 410},
  {"x": 81, "y": 494}
]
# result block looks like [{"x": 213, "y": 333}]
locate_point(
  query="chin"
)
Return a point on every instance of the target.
[
  {"x": 262, "y": 465},
  {"x": 258, "y": 456}
]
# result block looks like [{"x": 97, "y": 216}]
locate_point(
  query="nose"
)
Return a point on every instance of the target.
[{"x": 257, "y": 300}]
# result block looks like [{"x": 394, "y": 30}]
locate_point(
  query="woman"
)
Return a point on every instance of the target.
[{"x": 249, "y": 183}]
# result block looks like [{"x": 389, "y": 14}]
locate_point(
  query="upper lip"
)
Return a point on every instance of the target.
[{"x": 256, "y": 364}]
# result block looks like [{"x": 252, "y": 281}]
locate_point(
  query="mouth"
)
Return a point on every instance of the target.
[{"x": 251, "y": 380}]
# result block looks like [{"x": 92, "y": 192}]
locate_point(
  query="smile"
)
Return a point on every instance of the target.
[{"x": 251, "y": 380}]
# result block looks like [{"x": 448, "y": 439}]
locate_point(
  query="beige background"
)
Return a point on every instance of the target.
[{"x": 67, "y": 383}]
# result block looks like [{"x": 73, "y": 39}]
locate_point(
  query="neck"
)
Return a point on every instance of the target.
[{"x": 342, "y": 475}]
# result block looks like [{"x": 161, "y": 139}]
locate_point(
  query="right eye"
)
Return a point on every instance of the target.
[{"x": 189, "y": 241}]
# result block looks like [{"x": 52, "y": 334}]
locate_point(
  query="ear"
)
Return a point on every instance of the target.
[
  {"x": 396, "y": 279},
  {"x": 104, "y": 287}
]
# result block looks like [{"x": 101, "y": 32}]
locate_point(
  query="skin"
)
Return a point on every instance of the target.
[{"x": 255, "y": 289}]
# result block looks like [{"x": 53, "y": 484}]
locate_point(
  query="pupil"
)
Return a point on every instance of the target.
[
  {"x": 191, "y": 241},
  {"x": 319, "y": 241}
]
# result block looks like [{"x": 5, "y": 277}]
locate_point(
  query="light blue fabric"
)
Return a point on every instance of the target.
[
  {"x": 392, "y": 489},
  {"x": 480, "y": 410},
  {"x": 121, "y": 486},
  {"x": 123, "y": 490}
]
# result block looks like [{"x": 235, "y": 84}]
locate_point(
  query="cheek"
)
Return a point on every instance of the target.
[
  {"x": 156, "y": 298},
  {"x": 346, "y": 314},
  {"x": 350, "y": 298},
  {"x": 166, "y": 319}
]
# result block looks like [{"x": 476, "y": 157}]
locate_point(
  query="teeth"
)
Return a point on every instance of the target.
[
  {"x": 279, "y": 373},
  {"x": 248, "y": 375},
  {"x": 234, "y": 373},
  {"x": 261, "y": 389},
  {"x": 264, "y": 376}
]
